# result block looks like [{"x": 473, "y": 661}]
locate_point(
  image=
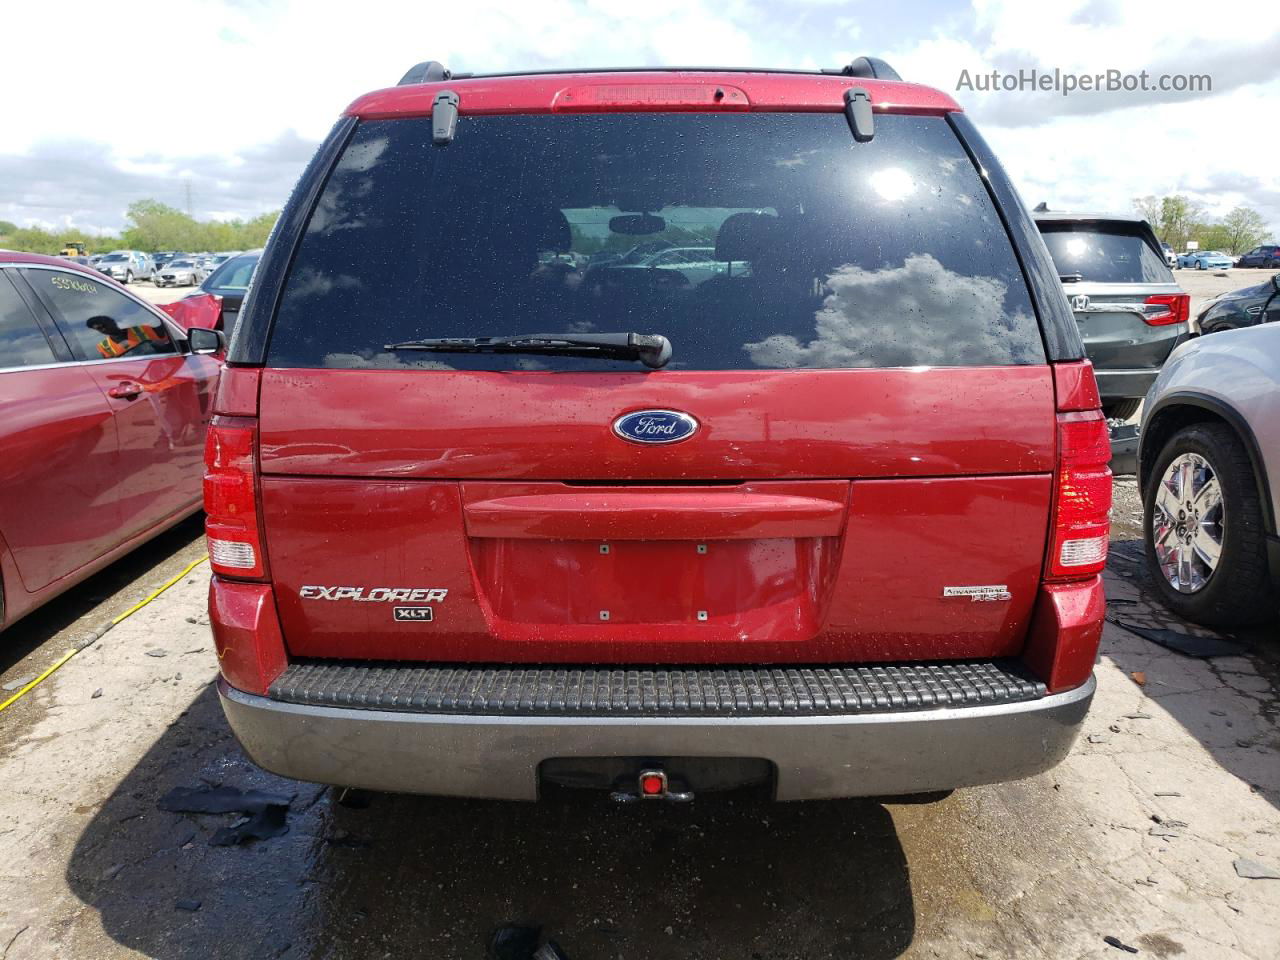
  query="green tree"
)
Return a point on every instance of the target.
[
  {"x": 1244, "y": 229},
  {"x": 156, "y": 226},
  {"x": 7, "y": 228},
  {"x": 1172, "y": 218}
]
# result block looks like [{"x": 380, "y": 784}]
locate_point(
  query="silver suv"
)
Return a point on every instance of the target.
[
  {"x": 1131, "y": 311},
  {"x": 127, "y": 265},
  {"x": 1209, "y": 468}
]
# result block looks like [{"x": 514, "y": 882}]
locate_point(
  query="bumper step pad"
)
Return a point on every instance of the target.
[{"x": 558, "y": 691}]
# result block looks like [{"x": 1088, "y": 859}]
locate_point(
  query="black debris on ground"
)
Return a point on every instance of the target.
[
  {"x": 270, "y": 821},
  {"x": 266, "y": 814},
  {"x": 512, "y": 941},
  {"x": 1119, "y": 944}
]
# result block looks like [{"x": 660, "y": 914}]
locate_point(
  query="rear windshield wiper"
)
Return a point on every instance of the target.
[
  {"x": 1071, "y": 277},
  {"x": 651, "y": 349}
]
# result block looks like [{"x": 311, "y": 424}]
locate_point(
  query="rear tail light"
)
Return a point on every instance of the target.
[
  {"x": 230, "y": 498},
  {"x": 1177, "y": 309},
  {"x": 1082, "y": 503}
]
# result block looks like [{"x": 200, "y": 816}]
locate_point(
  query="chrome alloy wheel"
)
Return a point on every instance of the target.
[{"x": 1187, "y": 523}]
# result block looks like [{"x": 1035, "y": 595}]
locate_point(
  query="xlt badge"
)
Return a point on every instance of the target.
[{"x": 421, "y": 614}]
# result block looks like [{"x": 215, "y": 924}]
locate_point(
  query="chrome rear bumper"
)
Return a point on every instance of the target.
[{"x": 479, "y": 755}]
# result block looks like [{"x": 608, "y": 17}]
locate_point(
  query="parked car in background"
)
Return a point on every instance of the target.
[
  {"x": 105, "y": 411},
  {"x": 1241, "y": 308},
  {"x": 537, "y": 556},
  {"x": 1209, "y": 468},
  {"x": 694, "y": 265},
  {"x": 163, "y": 257},
  {"x": 178, "y": 273},
  {"x": 1130, "y": 310},
  {"x": 215, "y": 260},
  {"x": 1266, "y": 256},
  {"x": 1206, "y": 260},
  {"x": 78, "y": 259},
  {"x": 1170, "y": 257},
  {"x": 126, "y": 266},
  {"x": 95, "y": 259},
  {"x": 216, "y": 305}
]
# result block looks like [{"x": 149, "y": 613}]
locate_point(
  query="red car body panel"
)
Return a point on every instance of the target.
[
  {"x": 159, "y": 431},
  {"x": 87, "y": 476},
  {"x": 199, "y": 310},
  {"x": 666, "y": 91},
  {"x": 832, "y": 517},
  {"x": 759, "y": 424},
  {"x": 58, "y": 499}
]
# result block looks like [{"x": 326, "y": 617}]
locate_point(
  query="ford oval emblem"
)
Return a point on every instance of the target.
[{"x": 655, "y": 426}]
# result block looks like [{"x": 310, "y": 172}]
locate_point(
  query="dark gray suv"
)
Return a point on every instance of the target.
[{"x": 1130, "y": 310}]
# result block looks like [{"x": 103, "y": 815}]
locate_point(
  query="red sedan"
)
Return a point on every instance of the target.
[{"x": 103, "y": 410}]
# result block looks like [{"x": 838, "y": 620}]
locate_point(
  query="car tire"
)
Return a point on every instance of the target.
[
  {"x": 1200, "y": 265},
  {"x": 1122, "y": 409},
  {"x": 1236, "y": 590},
  {"x": 128, "y": 277}
]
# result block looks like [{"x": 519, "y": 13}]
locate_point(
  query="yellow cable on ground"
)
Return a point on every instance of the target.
[
  {"x": 98, "y": 633},
  {"x": 56, "y": 664},
  {"x": 163, "y": 587}
]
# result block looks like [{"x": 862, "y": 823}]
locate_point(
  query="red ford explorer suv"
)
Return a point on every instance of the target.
[{"x": 500, "y": 495}]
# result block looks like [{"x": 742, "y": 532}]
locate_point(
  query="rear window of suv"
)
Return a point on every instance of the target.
[
  {"x": 750, "y": 241},
  {"x": 1104, "y": 253}
]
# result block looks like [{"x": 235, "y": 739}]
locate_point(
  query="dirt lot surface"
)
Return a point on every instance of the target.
[{"x": 1135, "y": 836}]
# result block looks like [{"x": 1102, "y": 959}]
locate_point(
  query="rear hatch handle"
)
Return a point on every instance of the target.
[{"x": 651, "y": 349}]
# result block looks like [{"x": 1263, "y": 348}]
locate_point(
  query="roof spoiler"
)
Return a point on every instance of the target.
[
  {"x": 433, "y": 71},
  {"x": 428, "y": 71}
]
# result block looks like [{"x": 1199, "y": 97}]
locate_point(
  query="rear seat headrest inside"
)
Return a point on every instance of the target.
[{"x": 743, "y": 236}]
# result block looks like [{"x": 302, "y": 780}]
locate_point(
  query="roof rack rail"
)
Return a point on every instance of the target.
[
  {"x": 428, "y": 71},
  {"x": 432, "y": 71},
  {"x": 870, "y": 68}
]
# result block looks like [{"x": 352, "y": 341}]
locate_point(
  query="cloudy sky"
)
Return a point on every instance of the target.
[{"x": 224, "y": 100}]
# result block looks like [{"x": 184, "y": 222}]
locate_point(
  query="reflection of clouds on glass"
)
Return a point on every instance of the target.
[
  {"x": 25, "y": 349},
  {"x": 797, "y": 159},
  {"x": 383, "y": 360},
  {"x": 362, "y": 157},
  {"x": 309, "y": 282},
  {"x": 918, "y": 314},
  {"x": 349, "y": 183}
]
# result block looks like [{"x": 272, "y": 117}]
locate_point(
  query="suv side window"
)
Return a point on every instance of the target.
[
  {"x": 22, "y": 342},
  {"x": 98, "y": 322}
]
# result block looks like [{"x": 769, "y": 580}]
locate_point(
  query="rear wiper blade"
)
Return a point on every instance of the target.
[
  {"x": 651, "y": 349},
  {"x": 1071, "y": 277}
]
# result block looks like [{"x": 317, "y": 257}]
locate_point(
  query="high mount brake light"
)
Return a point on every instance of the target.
[
  {"x": 230, "y": 499},
  {"x": 1082, "y": 505},
  {"x": 1177, "y": 309}
]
